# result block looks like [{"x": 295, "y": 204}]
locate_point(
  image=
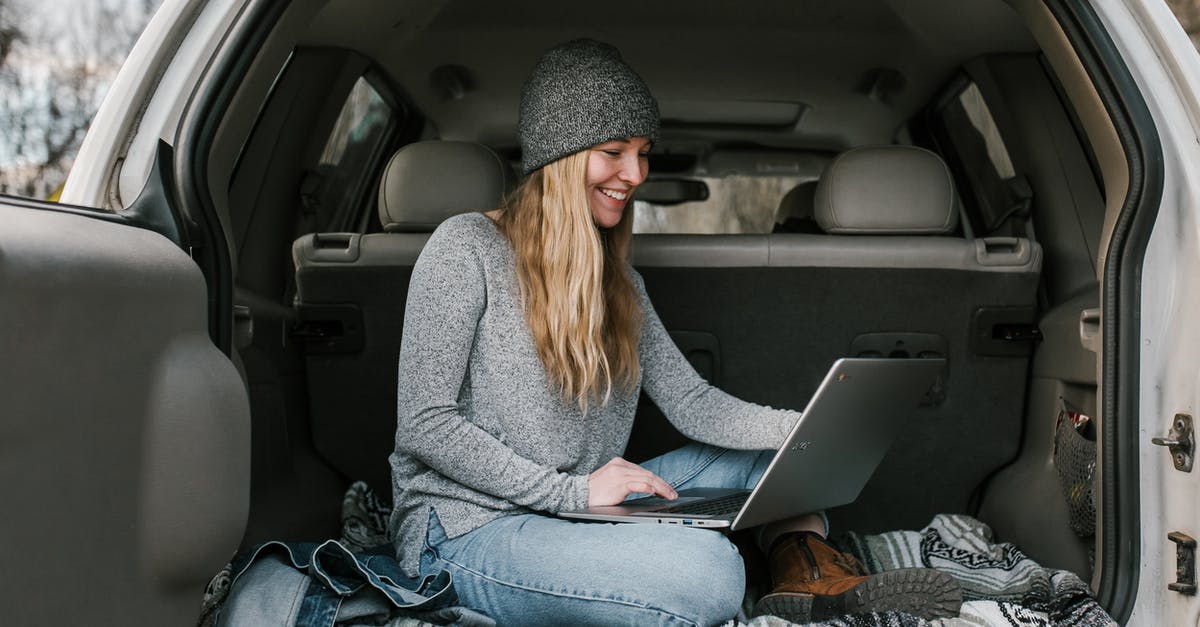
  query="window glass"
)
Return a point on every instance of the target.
[
  {"x": 965, "y": 131},
  {"x": 735, "y": 204},
  {"x": 359, "y": 126},
  {"x": 56, "y": 66},
  {"x": 981, "y": 118},
  {"x": 339, "y": 189}
]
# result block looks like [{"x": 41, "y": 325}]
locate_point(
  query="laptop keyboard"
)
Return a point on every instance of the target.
[{"x": 711, "y": 507}]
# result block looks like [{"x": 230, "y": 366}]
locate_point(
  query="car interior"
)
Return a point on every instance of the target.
[
  {"x": 879, "y": 178},
  {"x": 958, "y": 209}
]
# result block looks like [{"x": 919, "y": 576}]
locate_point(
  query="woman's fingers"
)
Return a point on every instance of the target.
[
  {"x": 656, "y": 485},
  {"x": 616, "y": 480},
  {"x": 651, "y": 486}
]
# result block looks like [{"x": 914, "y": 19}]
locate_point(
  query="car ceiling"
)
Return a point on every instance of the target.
[{"x": 788, "y": 73}]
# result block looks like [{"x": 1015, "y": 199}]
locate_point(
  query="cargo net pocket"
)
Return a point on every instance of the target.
[{"x": 1075, "y": 461}]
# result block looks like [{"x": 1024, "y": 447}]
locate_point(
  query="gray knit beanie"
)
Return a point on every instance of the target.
[{"x": 581, "y": 94}]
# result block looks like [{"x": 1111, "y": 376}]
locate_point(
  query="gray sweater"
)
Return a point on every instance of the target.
[{"x": 482, "y": 433}]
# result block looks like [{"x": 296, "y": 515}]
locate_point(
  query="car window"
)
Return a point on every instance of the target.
[
  {"x": 56, "y": 66},
  {"x": 344, "y": 176},
  {"x": 736, "y": 203},
  {"x": 966, "y": 133},
  {"x": 313, "y": 159}
]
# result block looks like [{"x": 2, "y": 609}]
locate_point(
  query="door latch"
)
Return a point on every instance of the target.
[
  {"x": 1185, "y": 563},
  {"x": 1180, "y": 442}
]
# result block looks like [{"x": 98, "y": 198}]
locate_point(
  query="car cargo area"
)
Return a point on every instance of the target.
[{"x": 783, "y": 226}]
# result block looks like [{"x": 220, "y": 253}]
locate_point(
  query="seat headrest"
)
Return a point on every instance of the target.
[
  {"x": 887, "y": 190},
  {"x": 426, "y": 182}
]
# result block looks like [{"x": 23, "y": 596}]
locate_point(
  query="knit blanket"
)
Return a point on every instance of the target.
[{"x": 1001, "y": 586}]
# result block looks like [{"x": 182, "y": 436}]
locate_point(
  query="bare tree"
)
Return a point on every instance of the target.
[
  {"x": 54, "y": 71},
  {"x": 10, "y": 33},
  {"x": 15, "y": 126}
]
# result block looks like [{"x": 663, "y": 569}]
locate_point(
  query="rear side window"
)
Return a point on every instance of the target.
[
  {"x": 311, "y": 161},
  {"x": 965, "y": 131},
  {"x": 334, "y": 194}
]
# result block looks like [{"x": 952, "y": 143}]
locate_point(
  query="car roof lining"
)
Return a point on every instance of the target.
[{"x": 820, "y": 55}]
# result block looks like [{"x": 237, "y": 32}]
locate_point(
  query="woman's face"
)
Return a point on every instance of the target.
[{"x": 614, "y": 169}]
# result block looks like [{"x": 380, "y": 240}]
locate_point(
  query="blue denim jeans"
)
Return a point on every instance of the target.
[
  {"x": 313, "y": 585},
  {"x": 534, "y": 569}
]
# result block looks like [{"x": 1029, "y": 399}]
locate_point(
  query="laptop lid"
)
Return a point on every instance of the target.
[
  {"x": 841, "y": 437},
  {"x": 826, "y": 459}
]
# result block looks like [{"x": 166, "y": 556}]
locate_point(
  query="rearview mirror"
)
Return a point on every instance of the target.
[{"x": 671, "y": 191}]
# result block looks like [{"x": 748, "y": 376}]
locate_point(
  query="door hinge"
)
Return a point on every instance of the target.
[
  {"x": 1179, "y": 442},
  {"x": 1185, "y": 563}
]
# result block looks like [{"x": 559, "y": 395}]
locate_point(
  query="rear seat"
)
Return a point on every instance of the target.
[
  {"x": 351, "y": 291},
  {"x": 763, "y": 316}
]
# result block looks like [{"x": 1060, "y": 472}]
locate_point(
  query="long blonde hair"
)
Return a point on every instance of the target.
[{"x": 578, "y": 298}]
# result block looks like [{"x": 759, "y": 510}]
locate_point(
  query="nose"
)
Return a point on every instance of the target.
[{"x": 633, "y": 169}]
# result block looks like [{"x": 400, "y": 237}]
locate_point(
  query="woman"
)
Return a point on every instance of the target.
[{"x": 527, "y": 339}]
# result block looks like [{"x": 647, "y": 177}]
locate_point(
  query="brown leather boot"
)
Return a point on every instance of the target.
[{"x": 814, "y": 581}]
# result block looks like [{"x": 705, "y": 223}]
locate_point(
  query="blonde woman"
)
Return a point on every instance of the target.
[{"x": 527, "y": 339}]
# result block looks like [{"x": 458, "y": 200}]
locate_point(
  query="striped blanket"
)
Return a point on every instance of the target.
[{"x": 1001, "y": 586}]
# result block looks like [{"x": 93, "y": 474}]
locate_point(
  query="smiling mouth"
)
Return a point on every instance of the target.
[{"x": 614, "y": 195}]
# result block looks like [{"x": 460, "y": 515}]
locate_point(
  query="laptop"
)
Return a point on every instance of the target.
[{"x": 831, "y": 452}]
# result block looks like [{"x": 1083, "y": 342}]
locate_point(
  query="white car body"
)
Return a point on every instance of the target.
[{"x": 1164, "y": 62}]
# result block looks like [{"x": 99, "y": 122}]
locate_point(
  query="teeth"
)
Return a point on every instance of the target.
[{"x": 612, "y": 194}]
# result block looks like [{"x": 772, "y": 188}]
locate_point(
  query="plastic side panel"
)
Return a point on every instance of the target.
[
  {"x": 124, "y": 434},
  {"x": 194, "y": 476},
  {"x": 1039, "y": 524}
]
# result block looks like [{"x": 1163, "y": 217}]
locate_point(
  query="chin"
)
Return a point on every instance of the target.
[
  {"x": 606, "y": 218},
  {"x": 606, "y": 222}
]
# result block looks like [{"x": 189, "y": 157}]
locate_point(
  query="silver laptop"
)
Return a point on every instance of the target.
[{"x": 842, "y": 435}]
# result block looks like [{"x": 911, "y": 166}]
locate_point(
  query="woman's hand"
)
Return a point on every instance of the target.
[{"x": 617, "y": 479}]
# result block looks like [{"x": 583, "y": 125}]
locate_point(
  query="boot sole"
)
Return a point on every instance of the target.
[{"x": 922, "y": 592}]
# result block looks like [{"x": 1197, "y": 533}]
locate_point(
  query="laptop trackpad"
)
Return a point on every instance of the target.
[
  {"x": 653, "y": 503},
  {"x": 644, "y": 504}
]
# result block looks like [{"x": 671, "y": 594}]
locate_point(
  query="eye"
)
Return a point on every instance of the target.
[{"x": 612, "y": 153}]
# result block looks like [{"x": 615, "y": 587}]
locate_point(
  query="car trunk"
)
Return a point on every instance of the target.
[{"x": 760, "y": 315}]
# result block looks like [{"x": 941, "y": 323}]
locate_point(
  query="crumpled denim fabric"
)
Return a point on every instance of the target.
[{"x": 321, "y": 585}]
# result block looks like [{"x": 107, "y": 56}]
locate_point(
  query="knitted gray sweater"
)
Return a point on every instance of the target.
[{"x": 481, "y": 432}]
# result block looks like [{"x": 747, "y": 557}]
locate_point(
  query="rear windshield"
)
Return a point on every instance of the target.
[{"x": 735, "y": 204}]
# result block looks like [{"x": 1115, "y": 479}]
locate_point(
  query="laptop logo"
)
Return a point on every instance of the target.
[{"x": 800, "y": 446}]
